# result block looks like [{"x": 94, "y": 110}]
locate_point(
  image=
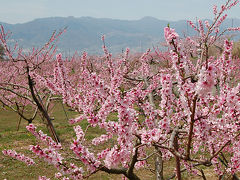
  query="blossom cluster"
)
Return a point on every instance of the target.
[
  {"x": 43, "y": 137},
  {"x": 48, "y": 154},
  {"x": 170, "y": 35},
  {"x": 206, "y": 80},
  {"x": 85, "y": 155},
  {"x": 18, "y": 156}
]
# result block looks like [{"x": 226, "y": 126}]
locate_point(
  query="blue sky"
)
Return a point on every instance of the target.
[{"x": 19, "y": 11}]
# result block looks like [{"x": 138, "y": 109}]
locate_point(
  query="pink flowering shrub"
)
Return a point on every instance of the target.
[{"x": 184, "y": 110}]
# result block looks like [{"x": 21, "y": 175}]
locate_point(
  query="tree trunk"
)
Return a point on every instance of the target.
[
  {"x": 159, "y": 165},
  {"x": 42, "y": 109},
  {"x": 178, "y": 165}
]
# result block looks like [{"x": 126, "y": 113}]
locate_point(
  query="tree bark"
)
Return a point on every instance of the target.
[
  {"x": 42, "y": 109},
  {"x": 177, "y": 159},
  {"x": 159, "y": 165}
]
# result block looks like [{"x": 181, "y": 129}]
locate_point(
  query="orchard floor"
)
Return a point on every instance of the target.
[{"x": 20, "y": 140}]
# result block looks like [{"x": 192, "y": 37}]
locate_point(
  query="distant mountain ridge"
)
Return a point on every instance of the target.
[{"x": 84, "y": 33}]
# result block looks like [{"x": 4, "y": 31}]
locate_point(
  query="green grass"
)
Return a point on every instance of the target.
[{"x": 10, "y": 138}]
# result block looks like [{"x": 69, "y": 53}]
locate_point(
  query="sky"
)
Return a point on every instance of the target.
[{"x": 20, "y": 11}]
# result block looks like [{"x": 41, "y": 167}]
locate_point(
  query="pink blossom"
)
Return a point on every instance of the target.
[
  {"x": 18, "y": 156},
  {"x": 215, "y": 10},
  {"x": 234, "y": 29},
  {"x": 48, "y": 154},
  {"x": 43, "y": 178},
  {"x": 58, "y": 175},
  {"x": 79, "y": 132},
  {"x": 40, "y": 135},
  {"x": 99, "y": 140},
  {"x": 206, "y": 81},
  {"x": 170, "y": 35}
]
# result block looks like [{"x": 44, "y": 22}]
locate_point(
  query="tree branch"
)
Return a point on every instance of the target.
[{"x": 191, "y": 127}]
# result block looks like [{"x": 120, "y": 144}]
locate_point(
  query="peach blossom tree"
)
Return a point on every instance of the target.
[{"x": 187, "y": 110}]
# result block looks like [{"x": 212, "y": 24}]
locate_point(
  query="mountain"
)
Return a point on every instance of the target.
[{"x": 84, "y": 33}]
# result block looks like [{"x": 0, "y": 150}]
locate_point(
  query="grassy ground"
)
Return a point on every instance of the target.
[{"x": 20, "y": 140}]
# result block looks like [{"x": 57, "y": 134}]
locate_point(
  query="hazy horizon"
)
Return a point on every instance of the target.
[
  {"x": 103, "y": 18},
  {"x": 15, "y": 11}
]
